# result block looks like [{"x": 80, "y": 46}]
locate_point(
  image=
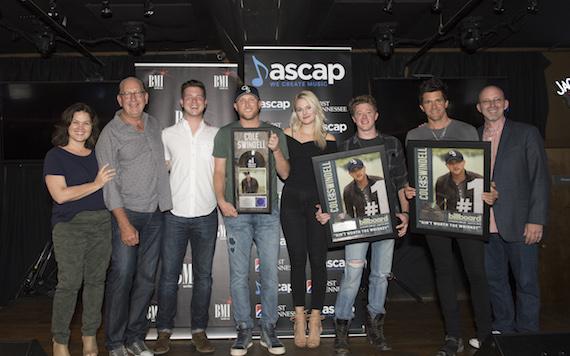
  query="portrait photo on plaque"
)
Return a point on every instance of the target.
[
  {"x": 354, "y": 189},
  {"x": 450, "y": 178},
  {"x": 250, "y": 152}
]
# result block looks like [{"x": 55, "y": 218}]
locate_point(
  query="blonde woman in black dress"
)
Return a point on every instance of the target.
[{"x": 306, "y": 137}]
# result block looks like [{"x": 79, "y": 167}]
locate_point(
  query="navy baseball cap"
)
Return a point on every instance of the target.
[
  {"x": 354, "y": 162},
  {"x": 453, "y": 154},
  {"x": 246, "y": 89}
]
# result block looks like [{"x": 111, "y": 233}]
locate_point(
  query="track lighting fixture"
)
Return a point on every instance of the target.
[
  {"x": 52, "y": 12},
  {"x": 470, "y": 36},
  {"x": 532, "y": 6},
  {"x": 135, "y": 37},
  {"x": 388, "y": 6},
  {"x": 498, "y": 7},
  {"x": 436, "y": 7},
  {"x": 383, "y": 33},
  {"x": 44, "y": 38},
  {"x": 106, "y": 11},
  {"x": 148, "y": 8}
]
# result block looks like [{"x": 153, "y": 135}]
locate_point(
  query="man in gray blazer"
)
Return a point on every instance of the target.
[{"x": 520, "y": 171}]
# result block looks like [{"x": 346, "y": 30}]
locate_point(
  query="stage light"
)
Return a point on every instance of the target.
[
  {"x": 135, "y": 37},
  {"x": 498, "y": 7},
  {"x": 148, "y": 8},
  {"x": 44, "y": 38},
  {"x": 383, "y": 33},
  {"x": 52, "y": 12},
  {"x": 532, "y": 6},
  {"x": 436, "y": 7},
  {"x": 470, "y": 37},
  {"x": 388, "y": 6},
  {"x": 106, "y": 11}
]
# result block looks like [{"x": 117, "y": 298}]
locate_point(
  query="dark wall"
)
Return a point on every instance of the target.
[{"x": 25, "y": 210}]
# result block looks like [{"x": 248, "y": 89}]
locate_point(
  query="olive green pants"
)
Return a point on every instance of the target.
[{"x": 82, "y": 249}]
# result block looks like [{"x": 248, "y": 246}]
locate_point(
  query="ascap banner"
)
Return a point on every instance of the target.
[{"x": 281, "y": 72}]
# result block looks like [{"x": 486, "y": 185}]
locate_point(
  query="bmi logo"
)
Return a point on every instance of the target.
[
  {"x": 258, "y": 311},
  {"x": 152, "y": 312},
  {"x": 185, "y": 278},
  {"x": 221, "y": 82},
  {"x": 222, "y": 311},
  {"x": 156, "y": 81}
]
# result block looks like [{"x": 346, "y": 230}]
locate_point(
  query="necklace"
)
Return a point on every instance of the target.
[
  {"x": 443, "y": 133},
  {"x": 137, "y": 126}
]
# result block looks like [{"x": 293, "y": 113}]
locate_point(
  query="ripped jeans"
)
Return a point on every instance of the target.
[
  {"x": 242, "y": 232},
  {"x": 382, "y": 253}
]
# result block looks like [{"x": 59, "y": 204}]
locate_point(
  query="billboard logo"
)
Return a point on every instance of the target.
[
  {"x": 258, "y": 311},
  {"x": 185, "y": 278},
  {"x": 221, "y": 82},
  {"x": 222, "y": 311},
  {"x": 156, "y": 81},
  {"x": 326, "y": 73}
]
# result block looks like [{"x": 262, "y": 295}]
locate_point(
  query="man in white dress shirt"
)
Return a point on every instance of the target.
[{"x": 188, "y": 149}]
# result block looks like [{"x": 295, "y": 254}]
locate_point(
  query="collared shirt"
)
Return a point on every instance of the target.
[
  {"x": 493, "y": 134},
  {"x": 191, "y": 168},
  {"x": 141, "y": 180}
]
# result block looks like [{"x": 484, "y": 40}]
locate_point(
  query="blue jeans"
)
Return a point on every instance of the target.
[
  {"x": 201, "y": 232},
  {"x": 523, "y": 260},
  {"x": 130, "y": 282},
  {"x": 380, "y": 268},
  {"x": 263, "y": 229}
]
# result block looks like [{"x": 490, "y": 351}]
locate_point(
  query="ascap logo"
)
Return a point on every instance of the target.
[
  {"x": 223, "y": 311},
  {"x": 275, "y": 105},
  {"x": 152, "y": 312},
  {"x": 325, "y": 74},
  {"x": 335, "y": 264},
  {"x": 282, "y": 242},
  {"x": 328, "y": 310},
  {"x": 284, "y": 288},
  {"x": 337, "y": 128},
  {"x": 258, "y": 311},
  {"x": 221, "y": 82},
  {"x": 185, "y": 278},
  {"x": 156, "y": 81}
]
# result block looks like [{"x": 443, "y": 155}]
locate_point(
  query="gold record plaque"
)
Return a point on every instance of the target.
[{"x": 252, "y": 185}]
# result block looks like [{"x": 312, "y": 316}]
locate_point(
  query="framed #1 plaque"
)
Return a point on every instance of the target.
[
  {"x": 252, "y": 184},
  {"x": 450, "y": 178},
  {"x": 352, "y": 189}
]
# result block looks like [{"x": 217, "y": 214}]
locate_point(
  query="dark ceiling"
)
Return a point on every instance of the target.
[{"x": 228, "y": 25}]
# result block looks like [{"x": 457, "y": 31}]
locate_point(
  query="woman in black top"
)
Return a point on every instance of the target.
[{"x": 306, "y": 137}]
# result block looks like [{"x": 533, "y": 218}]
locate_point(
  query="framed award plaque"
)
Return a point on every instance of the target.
[{"x": 251, "y": 167}]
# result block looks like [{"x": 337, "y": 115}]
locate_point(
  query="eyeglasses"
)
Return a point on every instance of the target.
[
  {"x": 494, "y": 101},
  {"x": 138, "y": 94}
]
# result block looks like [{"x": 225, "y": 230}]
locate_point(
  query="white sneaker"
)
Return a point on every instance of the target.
[{"x": 474, "y": 342}]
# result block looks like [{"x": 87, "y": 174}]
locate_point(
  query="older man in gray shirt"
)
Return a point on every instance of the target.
[{"x": 131, "y": 144}]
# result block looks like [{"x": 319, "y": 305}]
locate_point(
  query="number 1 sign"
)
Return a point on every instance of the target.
[{"x": 450, "y": 178}]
